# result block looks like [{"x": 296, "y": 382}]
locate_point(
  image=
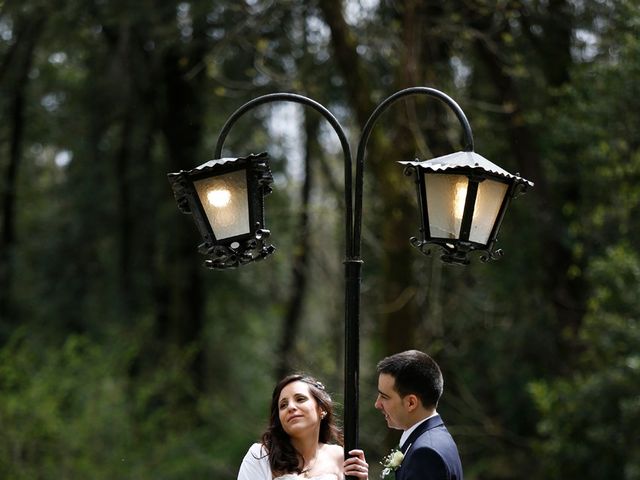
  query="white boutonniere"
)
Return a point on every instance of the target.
[{"x": 392, "y": 462}]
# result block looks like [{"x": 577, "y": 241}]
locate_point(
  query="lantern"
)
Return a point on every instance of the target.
[
  {"x": 462, "y": 199},
  {"x": 226, "y": 198}
]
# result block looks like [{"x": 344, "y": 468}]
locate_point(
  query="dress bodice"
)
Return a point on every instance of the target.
[{"x": 255, "y": 466}]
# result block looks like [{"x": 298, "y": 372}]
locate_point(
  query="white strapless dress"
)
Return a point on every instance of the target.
[{"x": 255, "y": 466}]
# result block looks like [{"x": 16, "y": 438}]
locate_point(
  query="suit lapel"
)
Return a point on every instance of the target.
[{"x": 433, "y": 422}]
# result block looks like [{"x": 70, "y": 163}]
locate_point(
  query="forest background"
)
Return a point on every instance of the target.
[{"x": 122, "y": 357}]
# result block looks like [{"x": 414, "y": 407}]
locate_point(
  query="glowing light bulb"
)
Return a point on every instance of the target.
[
  {"x": 219, "y": 197},
  {"x": 460, "y": 199}
]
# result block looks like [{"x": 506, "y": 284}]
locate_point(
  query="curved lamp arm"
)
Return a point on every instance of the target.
[
  {"x": 353, "y": 264},
  {"x": 366, "y": 132},
  {"x": 293, "y": 97}
]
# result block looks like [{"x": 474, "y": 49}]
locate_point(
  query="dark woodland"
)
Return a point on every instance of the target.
[{"x": 122, "y": 357}]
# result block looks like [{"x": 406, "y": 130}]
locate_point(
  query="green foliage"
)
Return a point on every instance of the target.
[
  {"x": 589, "y": 420},
  {"x": 77, "y": 411}
]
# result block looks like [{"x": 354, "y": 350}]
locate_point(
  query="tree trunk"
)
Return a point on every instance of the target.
[
  {"x": 396, "y": 219},
  {"x": 344, "y": 48},
  {"x": 566, "y": 291},
  {"x": 300, "y": 261},
  {"x": 15, "y": 77},
  {"x": 179, "y": 293}
]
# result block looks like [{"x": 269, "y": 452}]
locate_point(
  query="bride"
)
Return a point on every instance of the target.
[{"x": 302, "y": 440}]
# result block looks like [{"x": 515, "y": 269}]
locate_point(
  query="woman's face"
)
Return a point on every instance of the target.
[{"x": 298, "y": 410}]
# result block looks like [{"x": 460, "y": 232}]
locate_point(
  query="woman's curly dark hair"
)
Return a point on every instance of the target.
[{"x": 283, "y": 457}]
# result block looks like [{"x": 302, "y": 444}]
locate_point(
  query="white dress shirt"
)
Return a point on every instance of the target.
[{"x": 407, "y": 433}]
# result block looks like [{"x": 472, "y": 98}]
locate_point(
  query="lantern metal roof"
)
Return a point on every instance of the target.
[{"x": 471, "y": 160}]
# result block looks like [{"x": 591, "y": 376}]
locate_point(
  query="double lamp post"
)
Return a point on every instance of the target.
[{"x": 462, "y": 199}]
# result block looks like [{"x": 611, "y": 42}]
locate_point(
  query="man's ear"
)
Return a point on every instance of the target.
[{"x": 411, "y": 402}]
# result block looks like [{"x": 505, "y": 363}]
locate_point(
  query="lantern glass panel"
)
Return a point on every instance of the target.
[
  {"x": 488, "y": 203},
  {"x": 225, "y": 202},
  {"x": 446, "y": 196}
]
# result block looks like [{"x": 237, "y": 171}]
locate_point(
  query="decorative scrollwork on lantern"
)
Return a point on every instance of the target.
[{"x": 222, "y": 257}]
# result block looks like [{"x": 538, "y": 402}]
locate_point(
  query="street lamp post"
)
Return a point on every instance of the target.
[{"x": 462, "y": 199}]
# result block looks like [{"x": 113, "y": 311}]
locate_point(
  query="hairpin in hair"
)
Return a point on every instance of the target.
[{"x": 314, "y": 382}]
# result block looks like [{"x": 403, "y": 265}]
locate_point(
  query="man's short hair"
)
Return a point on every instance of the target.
[{"x": 416, "y": 373}]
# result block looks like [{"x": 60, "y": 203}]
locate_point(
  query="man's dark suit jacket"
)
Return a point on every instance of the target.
[{"x": 430, "y": 454}]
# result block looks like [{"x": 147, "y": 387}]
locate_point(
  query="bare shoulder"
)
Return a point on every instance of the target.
[{"x": 335, "y": 451}]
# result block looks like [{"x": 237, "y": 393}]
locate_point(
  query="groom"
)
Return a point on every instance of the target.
[{"x": 409, "y": 387}]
